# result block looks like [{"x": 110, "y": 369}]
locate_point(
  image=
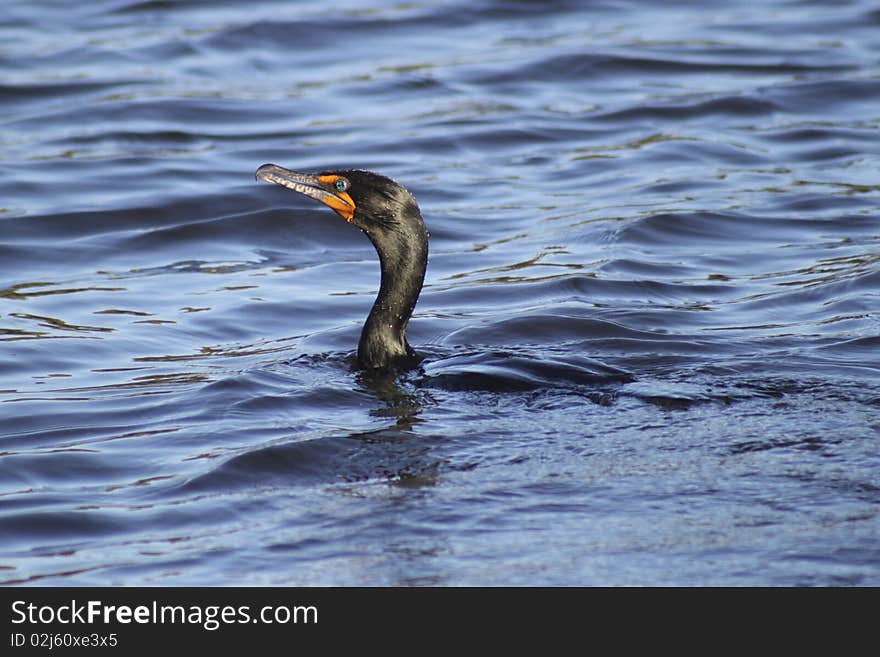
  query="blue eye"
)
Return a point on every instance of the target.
[{"x": 341, "y": 185}]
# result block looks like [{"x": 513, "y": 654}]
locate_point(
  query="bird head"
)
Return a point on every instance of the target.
[{"x": 372, "y": 202}]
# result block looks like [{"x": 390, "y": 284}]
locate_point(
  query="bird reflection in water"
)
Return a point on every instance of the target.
[{"x": 407, "y": 461}]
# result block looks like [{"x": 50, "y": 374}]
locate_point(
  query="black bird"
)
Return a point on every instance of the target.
[{"x": 388, "y": 213}]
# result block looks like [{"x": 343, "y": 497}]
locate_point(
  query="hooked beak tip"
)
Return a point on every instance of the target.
[{"x": 262, "y": 170}]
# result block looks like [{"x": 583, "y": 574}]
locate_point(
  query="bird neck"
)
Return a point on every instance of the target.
[{"x": 383, "y": 339}]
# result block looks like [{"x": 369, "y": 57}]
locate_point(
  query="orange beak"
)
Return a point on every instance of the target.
[{"x": 319, "y": 187}]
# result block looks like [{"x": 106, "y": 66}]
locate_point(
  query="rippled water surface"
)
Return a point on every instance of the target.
[{"x": 651, "y": 320}]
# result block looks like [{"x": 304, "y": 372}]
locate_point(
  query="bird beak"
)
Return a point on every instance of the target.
[{"x": 319, "y": 187}]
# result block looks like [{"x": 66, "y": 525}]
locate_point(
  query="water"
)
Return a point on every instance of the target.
[{"x": 688, "y": 194}]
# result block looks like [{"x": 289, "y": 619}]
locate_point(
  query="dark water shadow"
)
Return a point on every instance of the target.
[{"x": 394, "y": 453}]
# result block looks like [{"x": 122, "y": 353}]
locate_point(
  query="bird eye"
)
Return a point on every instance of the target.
[{"x": 341, "y": 185}]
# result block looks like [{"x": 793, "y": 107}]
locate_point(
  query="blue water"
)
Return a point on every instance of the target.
[{"x": 686, "y": 192}]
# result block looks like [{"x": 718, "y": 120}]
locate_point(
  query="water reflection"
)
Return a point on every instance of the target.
[
  {"x": 389, "y": 388},
  {"x": 398, "y": 452}
]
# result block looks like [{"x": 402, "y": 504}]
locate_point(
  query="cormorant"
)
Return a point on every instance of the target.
[{"x": 389, "y": 215}]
